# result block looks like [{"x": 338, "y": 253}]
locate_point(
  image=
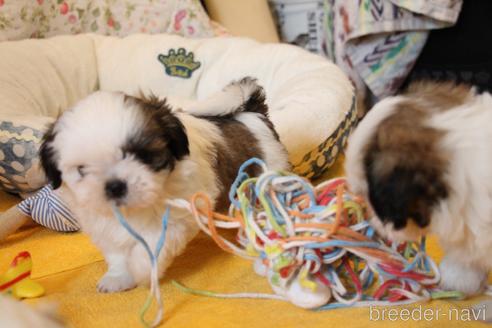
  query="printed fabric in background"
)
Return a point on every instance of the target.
[
  {"x": 376, "y": 42},
  {"x": 21, "y": 19}
]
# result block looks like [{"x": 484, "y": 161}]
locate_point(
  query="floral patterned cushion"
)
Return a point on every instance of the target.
[{"x": 21, "y": 19}]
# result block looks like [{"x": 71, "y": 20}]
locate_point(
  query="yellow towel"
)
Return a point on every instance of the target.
[{"x": 69, "y": 266}]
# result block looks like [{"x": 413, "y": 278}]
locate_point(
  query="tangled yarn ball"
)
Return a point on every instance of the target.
[{"x": 315, "y": 244}]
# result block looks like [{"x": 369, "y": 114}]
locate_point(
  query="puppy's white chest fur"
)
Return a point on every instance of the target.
[{"x": 128, "y": 261}]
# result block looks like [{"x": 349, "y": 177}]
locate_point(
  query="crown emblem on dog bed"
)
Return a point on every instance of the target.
[{"x": 179, "y": 63}]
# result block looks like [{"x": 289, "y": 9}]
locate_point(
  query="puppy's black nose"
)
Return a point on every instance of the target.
[{"x": 115, "y": 189}]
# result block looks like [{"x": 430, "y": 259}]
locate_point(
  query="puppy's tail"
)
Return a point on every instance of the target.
[{"x": 245, "y": 95}]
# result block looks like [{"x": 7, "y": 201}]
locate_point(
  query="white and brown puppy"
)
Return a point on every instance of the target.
[
  {"x": 112, "y": 148},
  {"x": 423, "y": 160}
]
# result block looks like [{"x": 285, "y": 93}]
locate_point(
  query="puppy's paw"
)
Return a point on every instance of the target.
[
  {"x": 458, "y": 276},
  {"x": 111, "y": 283}
]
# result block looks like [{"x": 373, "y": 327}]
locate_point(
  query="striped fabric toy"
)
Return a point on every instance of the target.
[{"x": 48, "y": 209}]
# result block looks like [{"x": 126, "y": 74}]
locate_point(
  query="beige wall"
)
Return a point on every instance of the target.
[{"x": 250, "y": 18}]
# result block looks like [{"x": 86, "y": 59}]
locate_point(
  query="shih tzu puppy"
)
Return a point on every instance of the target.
[
  {"x": 423, "y": 160},
  {"x": 115, "y": 149}
]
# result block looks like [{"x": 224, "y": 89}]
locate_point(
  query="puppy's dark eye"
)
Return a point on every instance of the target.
[{"x": 81, "y": 170}]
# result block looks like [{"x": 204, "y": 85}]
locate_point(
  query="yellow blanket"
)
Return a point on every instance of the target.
[{"x": 69, "y": 266}]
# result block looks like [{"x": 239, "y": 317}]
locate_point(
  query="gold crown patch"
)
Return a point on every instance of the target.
[{"x": 179, "y": 63}]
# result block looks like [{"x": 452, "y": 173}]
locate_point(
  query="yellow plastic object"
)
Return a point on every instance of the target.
[{"x": 17, "y": 280}]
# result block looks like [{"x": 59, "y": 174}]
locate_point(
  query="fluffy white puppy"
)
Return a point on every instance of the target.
[
  {"x": 112, "y": 148},
  {"x": 423, "y": 160}
]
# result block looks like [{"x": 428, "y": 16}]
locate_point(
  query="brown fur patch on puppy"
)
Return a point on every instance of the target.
[
  {"x": 49, "y": 158},
  {"x": 440, "y": 96},
  {"x": 257, "y": 103},
  {"x": 162, "y": 140},
  {"x": 240, "y": 145},
  {"x": 404, "y": 163}
]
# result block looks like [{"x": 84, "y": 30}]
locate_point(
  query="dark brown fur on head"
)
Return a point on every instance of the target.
[
  {"x": 48, "y": 158},
  {"x": 404, "y": 163},
  {"x": 162, "y": 141}
]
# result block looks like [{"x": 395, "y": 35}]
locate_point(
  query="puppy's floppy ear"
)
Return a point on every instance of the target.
[
  {"x": 174, "y": 132},
  {"x": 163, "y": 140},
  {"x": 49, "y": 158},
  {"x": 405, "y": 193},
  {"x": 171, "y": 127}
]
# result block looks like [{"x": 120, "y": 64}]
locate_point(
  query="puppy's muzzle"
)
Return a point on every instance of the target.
[{"x": 115, "y": 189}]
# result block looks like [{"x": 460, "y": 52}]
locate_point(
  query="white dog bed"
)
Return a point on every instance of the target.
[{"x": 311, "y": 101}]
